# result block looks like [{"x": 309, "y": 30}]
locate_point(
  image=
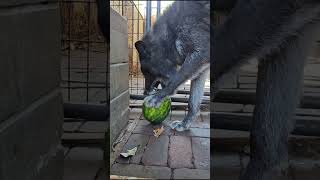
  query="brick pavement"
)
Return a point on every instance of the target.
[
  {"x": 177, "y": 155},
  {"x": 83, "y": 154},
  {"x": 173, "y": 155}
]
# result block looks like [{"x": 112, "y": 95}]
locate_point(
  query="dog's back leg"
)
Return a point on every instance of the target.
[
  {"x": 278, "y": 90},
  {"x": 196, "y": 93}
]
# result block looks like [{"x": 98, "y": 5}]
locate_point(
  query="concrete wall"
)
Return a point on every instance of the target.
[
  {"x": 119, "y": 74},
  {"x": 31, "y": 113}
]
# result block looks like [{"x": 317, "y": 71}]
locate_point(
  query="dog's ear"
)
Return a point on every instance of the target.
[{"x": 141, "y": 47}]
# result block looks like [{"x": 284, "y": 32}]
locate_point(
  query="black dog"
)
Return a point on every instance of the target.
[{"x": 177, "y": 49}]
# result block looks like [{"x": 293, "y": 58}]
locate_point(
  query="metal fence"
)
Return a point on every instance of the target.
[
  {"x": 136, "y": 30},
  {"x": 84, "y": 69},
  {"x": 84, "y": 64}
]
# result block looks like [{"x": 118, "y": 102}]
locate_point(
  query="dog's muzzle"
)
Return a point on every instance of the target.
[
  {"x": 150, "y": 92},
  {"x": 154, "y": 88}
]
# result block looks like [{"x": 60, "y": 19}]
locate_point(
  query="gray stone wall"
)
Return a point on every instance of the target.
[
  {"x": 31, "y": 113},
  {"x": 119, "y": 74}
]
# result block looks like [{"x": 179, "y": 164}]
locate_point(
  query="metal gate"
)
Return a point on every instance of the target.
[{"x": 84, "y": 67}]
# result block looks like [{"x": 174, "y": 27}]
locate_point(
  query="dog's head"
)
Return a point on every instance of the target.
[{"x": 155, "y": 65}]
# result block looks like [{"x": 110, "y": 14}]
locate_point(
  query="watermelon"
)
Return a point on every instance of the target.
[{"x": 155, "y": 115}]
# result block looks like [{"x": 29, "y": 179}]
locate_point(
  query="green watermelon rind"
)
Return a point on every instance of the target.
[{"x": 163, "y": 110}]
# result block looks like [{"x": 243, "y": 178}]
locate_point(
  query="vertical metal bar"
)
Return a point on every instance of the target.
[
  {"x": 148, "y": 16},
  {"x": 132, "y": 34},
  {"x": 138, "y": 31},
  {"x": 69, "y": 49},
  {"x": 108, "y": 61},
  {"x": 148, "y": 20},
  {"x": 141, "y": 17},
  {"x": 88, "y": 51},
  {"x": 133, "y": 38},
  {"x": 130, "y": 60},
  {"x": 158, "y": 8},
  {"x": 122, "y": 8}
]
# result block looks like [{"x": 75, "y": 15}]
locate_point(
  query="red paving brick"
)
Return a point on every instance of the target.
[
  {"x": 156, "y": 152},
  {"x": 143, "y": 122},
  {"x": 172, "y": 152},
  {"x": 140, "y": 171},
  {"x": 84, "y": 153},
  {"x": 94, "y": 127},
  {"x": 185, "y": 173},
  {"x": 83, "y": 163},
  {"x": 71, "y": 126},
  {"x": 135, "y": 140},
  {"x": 81, "y": 170},
  {"x": 180, "y": 152},
  {"x": 148, "y": 130},
  {"x": 201, "y": 152}
]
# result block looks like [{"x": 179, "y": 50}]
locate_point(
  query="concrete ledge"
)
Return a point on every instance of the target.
[
  {"x": 9, "y": 90},
  {"x": 27, "y": 137},
  {"x": 118, "y": 47},
  {"x": 119, "y": 114},
  {"x": 53, "y": 169},
  {"x": 118, "y": 22},
  {"x": 30, "y": 64},
  {"x": 119, "y": 79},
  {"x": 6, "y": 3},
  {"x": 119, "y": 74}
]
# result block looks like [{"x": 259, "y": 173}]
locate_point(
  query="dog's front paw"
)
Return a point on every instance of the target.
[
  {"x": 153, "y": 101},
  {"x": 179, "y": 126}
]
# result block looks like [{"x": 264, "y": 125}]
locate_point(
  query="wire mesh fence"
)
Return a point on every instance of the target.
[
  {"x": 84, "y": 64},
  {"x": 136, "y": 30}
]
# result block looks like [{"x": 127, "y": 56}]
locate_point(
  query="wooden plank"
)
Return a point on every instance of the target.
[
  {"x": 206, "y": 93},
  {"x": 237, "y": 140},
  {"x": 305, "y": 125},
  {"x": 205, "y": 100},
  {"x": 235, "y": 96},
  {"x": 177, "y": 107},
  {"x": 299, "y": 111},
  {"x": 125, "y": 177},
  {"x": 254, "y": 75},
  {"x": 86, "y": 111},
  {"x": 308, "y": 112},
  {"x": 84, "y": 139},
  {"x": 309, "y": 100},
  {"x": 311, "y": 90}
]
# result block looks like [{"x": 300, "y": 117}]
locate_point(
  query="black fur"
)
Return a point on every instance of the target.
[{"x": 279, "y": 34}]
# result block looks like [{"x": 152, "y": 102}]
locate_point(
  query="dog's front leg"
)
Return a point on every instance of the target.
[{"x": 196, "y": 93}]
